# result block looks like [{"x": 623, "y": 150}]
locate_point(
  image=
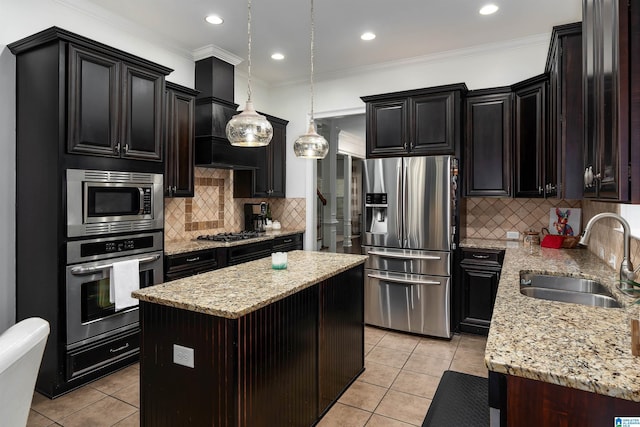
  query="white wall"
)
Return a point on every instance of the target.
[
  {"x": 7, "y": 189},
  {"x": 22, "y": 18}
]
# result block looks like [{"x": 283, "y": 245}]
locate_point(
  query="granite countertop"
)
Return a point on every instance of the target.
[
  {"x": 175, "y": 247},
  {"x": 583, "y": 347},
  {"x": 234, "y": 291}
]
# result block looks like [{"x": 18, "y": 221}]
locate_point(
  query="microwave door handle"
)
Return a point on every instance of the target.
[
  {"x": 78, "y": 271},
  {"x": 141, "y": 204}
]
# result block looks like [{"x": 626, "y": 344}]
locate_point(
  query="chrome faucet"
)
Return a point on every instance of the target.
[{"x": 626, "y": 268}]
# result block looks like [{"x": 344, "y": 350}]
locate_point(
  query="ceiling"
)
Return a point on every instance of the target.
[{"x": 404, "y": 28}]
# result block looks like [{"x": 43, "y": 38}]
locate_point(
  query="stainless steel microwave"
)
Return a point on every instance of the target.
[{"x": 104, "y": 202}]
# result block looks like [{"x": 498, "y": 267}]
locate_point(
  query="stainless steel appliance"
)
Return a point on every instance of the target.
[
  {"x": 103, "y": 202},
  {"x": 255, "y": 215},
  {"x": 409, "y": 234},
  {"x": 90, "y": 315}
]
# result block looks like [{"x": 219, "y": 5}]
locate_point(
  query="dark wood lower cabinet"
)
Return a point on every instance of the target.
[
  {"x": 479, "y": 276},
  {"x": 281, "y": 365},
  {"x": 536, "y": 403}
]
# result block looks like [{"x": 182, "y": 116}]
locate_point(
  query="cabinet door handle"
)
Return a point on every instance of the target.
[
  {"x": 116, "y": 149},
  {"x": 126, "y": 148},
  {"x": 197, "y": 258},
  {"x": 174, "y": 188},
  {"x": 480, "y": 256},
  {"x": 288, "y": 240},
  {"x": 412, "y": 145},
  {"x": 405, "y": 145}
]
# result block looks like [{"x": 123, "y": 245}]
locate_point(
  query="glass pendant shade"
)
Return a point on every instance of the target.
[
  {"x": 311, "y": 145},
  {"x": 249, "y": 129}
]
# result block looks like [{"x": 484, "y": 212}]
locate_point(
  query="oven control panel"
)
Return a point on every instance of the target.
[
  {"x": 116, "y": 246},
  {"x": 94, "y": 249}
]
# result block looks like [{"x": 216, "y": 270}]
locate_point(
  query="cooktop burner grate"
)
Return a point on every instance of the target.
[{"x": 231, "y": 237}]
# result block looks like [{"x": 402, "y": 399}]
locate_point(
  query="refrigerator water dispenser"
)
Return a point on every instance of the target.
[{"x": 376, "y": 213}]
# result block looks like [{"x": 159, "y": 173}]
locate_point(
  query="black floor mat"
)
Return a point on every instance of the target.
[{"x": 461, "y": 400}]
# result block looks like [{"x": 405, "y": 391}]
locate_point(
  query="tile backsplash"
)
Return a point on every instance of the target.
[
  {"x": 491, "y": 218},
  {"x": 214, "y": 210}
]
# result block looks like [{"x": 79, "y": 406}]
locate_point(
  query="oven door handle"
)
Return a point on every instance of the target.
[
  {"x": 78, "y": 271},
  {"x": 406, "y": 282}
]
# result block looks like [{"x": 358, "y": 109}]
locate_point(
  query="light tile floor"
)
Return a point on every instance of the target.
[{"x": 401, "y": 377}]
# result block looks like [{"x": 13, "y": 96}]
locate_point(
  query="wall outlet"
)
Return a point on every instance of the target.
[
  {"x": 183, "y": 356},
  {"x": 513, "y": 235}
]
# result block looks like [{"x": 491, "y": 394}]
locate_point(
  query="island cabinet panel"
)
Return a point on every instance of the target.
[
  {"x": 284, "y": 364},
  {"x": 536, "y": 403},
  {"x": 277, "y": 363},
  {"x": 172, "y": 394},
  {"x": 341, "y": 339}
]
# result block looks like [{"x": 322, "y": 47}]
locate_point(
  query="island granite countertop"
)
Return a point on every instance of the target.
[
  {"x": 577, "y": 346},
  {"x": 175, "y": 247},
  {"x": 234, "y": 291}
]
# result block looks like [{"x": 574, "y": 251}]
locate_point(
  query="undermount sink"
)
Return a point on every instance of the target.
[{"x": 574, "y": 290}]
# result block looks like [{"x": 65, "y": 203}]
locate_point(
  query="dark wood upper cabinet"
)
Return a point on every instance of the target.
[
  {"x": 94, "y": 102},
  {"x": 418, "y": 122},
  {"x": 488, "y": 143},
  {"x": 269, "y": 179},
  {"x": 611, "y": 62},
  {"x": 142, "y": 113},
  {"x": 115, "y": 108},
  {"x": 179, "y": 140},
  {"x": 532, "y": 177},
  {"x": 564, "y": 66}
]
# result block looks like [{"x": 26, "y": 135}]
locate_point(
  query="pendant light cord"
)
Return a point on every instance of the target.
[
  {"x": 312, "y": 49},
  {"x": 249, "y": 51}
]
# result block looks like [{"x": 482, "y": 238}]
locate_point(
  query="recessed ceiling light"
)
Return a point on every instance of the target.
[
  {"x": 277, "y": 56},
  {"x": 214, "y": 19},
  {"x": 488, "y": 9},
  {"x": 368, "y": 36}
]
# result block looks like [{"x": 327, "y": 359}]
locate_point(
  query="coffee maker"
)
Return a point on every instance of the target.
[{"x": 255, "y": 216}]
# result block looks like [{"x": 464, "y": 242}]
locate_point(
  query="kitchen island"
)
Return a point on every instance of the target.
[
  {"x": 248, "y": 345},
  {"x": 554, "y": 362}
]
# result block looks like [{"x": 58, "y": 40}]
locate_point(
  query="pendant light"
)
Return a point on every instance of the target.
[
  {"x": 249, "y": 129},
  {"x": 311, "y": 145}
]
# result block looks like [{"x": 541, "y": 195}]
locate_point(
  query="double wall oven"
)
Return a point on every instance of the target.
[{"x": 112, "y": 216}]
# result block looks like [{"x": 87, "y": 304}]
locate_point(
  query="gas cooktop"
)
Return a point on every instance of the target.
[{"x": 231, "y": 237}]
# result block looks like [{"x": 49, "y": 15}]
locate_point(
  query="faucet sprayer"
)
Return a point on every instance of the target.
[{"x": 626, "y": 268}]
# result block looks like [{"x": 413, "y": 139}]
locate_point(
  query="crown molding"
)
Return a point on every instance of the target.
[
  {"x": 123, "y": 24},
  {"x": 213, "y": 50},
  {"x": 472, "y": 51}
]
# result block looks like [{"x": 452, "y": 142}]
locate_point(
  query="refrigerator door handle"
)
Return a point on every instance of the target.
[
  {"x": 400, "y": 222},
  {"x": 406, "y": 282},
  {"x": 402, "y": 256},
  {"x": 405, "y": 198}
]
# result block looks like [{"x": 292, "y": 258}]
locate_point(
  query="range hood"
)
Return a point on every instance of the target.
[{"x": 214, "y": 108}]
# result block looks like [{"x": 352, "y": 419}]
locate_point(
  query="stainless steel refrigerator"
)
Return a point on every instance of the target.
[{"x": 409, "y": 235}]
